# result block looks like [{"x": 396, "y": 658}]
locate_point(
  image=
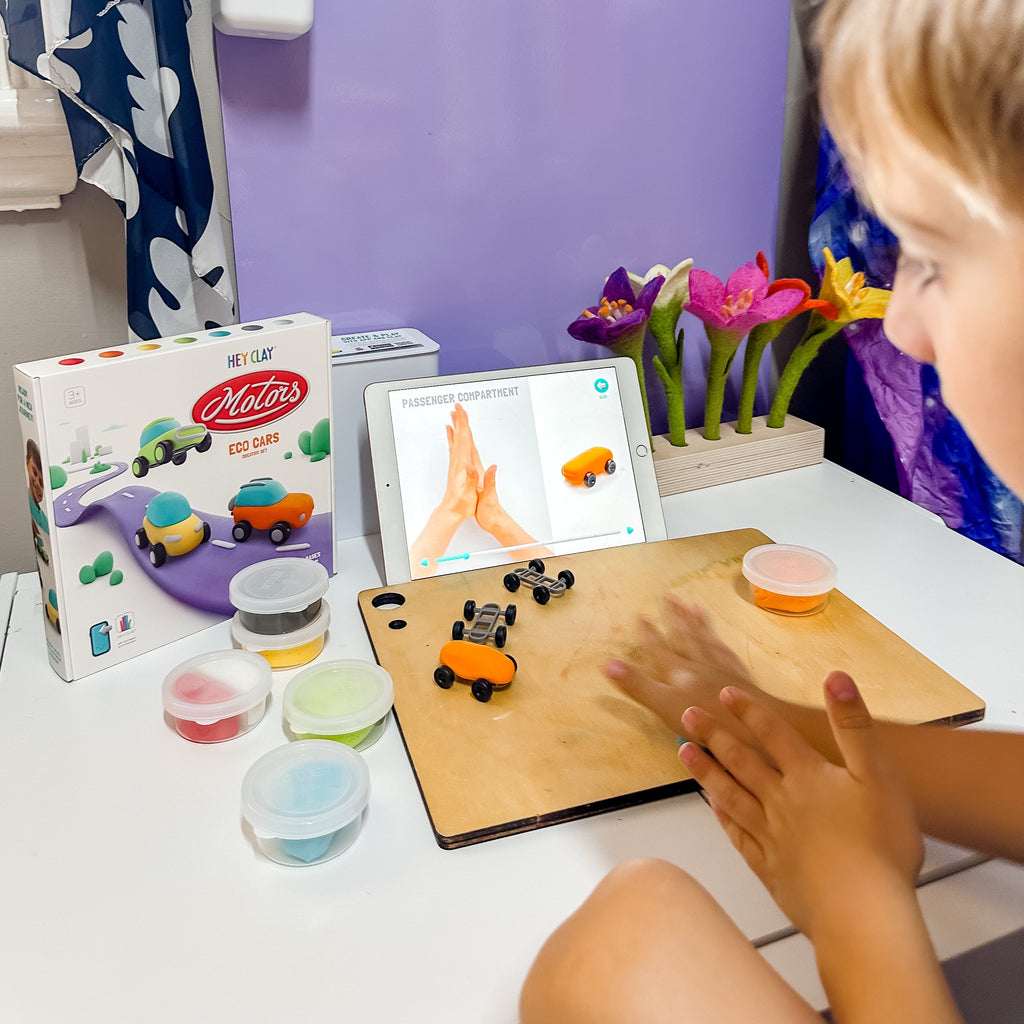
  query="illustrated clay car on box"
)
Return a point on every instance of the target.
[
  {"x": 585, "y": 467},
  {"x": 544, "y": 587},
  {"x": 171, "y": 527},
  {"x": 166, "y": 440},
  {"x": 265, "y": 504}
]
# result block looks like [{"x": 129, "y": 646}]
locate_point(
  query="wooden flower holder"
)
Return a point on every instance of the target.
[{"x": 704, "y": 463}]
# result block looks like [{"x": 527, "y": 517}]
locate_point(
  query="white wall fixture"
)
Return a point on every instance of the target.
[
  {"x": 265, "y": 19},
  {"x": 37, "y": 165}
]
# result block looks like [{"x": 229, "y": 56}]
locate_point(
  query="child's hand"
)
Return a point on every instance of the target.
[
  {"x": 688, "y": 665},
  {"x": 822, "y": 837}
]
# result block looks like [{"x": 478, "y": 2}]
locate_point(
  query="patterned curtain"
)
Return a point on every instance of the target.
[
  {"x": 936, "y": 464},
  {"x": 123, "y": 69}
]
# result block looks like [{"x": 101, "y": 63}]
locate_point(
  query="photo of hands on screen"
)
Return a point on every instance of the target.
[{"x": 522, "y": 468}]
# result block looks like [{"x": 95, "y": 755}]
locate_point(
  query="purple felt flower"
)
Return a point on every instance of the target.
[
  {"x": 620, "y": 315},
  {"x": 741, "y": 303}
]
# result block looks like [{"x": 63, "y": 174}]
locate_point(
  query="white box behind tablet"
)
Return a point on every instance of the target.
[{"x": 358, "y": 360}]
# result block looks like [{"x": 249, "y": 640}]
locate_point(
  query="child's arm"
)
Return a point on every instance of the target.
[{"x": 836, "y": 845}]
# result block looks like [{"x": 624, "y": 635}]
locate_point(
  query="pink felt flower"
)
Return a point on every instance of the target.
[{"x": 741, "y": 303}]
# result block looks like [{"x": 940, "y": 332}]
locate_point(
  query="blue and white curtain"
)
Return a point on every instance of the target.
[{"x": 124, "y": 72}]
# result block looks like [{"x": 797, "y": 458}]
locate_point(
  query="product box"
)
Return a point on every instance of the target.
[{"x": 157, "y": 470}]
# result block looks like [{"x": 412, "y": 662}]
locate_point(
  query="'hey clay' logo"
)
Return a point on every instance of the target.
[{"x": 250, "y": 401}]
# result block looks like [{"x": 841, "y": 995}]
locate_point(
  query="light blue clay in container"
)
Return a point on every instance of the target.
[{"x": 305, "y": 801}]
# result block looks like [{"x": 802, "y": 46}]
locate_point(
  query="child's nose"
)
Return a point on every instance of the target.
[{"x": 905, "y": 327}]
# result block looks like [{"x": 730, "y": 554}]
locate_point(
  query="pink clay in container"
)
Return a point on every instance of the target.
[{"x": 217, "y": 696}]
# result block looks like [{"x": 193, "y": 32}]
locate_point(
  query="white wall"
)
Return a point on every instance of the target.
[{"x": 62, "y": 290}]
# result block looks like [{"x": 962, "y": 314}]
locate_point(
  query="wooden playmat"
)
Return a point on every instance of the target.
[{"x": 561, "y": 742}]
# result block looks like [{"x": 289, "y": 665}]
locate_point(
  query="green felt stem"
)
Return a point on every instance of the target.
[
  {"x": 757, "y": 341},
  {"x": 672, "y": 381},
  {"x": 718, "y": 373},
  {"x": 632, "y": 346},
  {"x": 819, "y": 330}
]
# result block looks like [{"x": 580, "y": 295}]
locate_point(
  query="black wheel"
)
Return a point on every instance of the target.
[
  {"x": 206, "y": 533},
  {"x": 590, "y": 480},
  {"x": 515, "y": 666},
  {"x": 158, "y": 555},
  {"x": 444, "y": 677},
  {"x": 609, "y": 467},
  {"x": 241, "y": 531},
  {"x": 162, "y": 452},
  {"x": 500, "y": 636},
  {"x": 536, "y": 565},
  {"x": 510, "y": 614},
  {"x": 140, "y": 467},
  {"x": 458, "y": 629},
  {"x": 279, "y": 533},
  {"x": 541, "y": 594},
  {"x": 469, "y": 610},
  {"x": 204, "y": 445},
  {"x": 141, "y": 540},
  {"x": 567, "y": 578},
  {"x": 511, "y": 582},
  {"x": 482, "y": 690},
  {"x": 178, "y": 458}
]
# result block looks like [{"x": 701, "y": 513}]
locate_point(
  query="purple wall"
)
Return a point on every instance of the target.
[{"x": 477, "y": 169}]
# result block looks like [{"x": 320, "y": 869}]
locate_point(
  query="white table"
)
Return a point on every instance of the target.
[{"x": 128, "y": 892}]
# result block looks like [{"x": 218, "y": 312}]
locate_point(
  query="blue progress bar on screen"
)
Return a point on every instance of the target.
[{"x": 466, "y": 555}]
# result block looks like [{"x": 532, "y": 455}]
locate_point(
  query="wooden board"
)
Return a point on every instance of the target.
[{"x": 561, "y": 743}]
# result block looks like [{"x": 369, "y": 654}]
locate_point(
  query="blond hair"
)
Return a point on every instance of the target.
[{"x": 948, "y": 74}]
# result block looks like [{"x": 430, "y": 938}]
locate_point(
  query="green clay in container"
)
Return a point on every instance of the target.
[{"x": 346, "y": 701}]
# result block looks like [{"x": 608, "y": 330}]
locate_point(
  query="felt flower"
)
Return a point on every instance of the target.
[
  {"x": 729, "y": 311},
  {"x": 761, "y": 335},
  {"x": 663, "y": 322},
  {"x": 619, "y": 321},
  {"x": 739, "y": 304},
  {"x": 847, "y": 292},
  {"x": 849, "y": 300},
  {"x": 620, "y": 314}
]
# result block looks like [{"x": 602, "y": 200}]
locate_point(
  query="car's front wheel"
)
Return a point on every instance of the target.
[
  {"x": 279, "y": 533},
  {"x": 444, "y": 677},
  {"x": 241, "y": 531},
  {"x": 482, "y": 690},
  {"x": 158, "y": 555}
]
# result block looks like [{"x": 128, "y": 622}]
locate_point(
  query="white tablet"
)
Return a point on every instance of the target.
[{"x": 480, "y": 469}]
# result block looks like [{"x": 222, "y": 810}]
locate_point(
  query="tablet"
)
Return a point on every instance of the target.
[{"x": 480, "y": 469}]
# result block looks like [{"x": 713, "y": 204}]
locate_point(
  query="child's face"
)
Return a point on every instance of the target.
[
  {"x": 954, "y": 300},
  {"x": 35, "y": 480}
]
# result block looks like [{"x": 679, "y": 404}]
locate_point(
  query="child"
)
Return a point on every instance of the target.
[
  {"x": 926, "y": 99},
  {"x": 36, "y": 493}
]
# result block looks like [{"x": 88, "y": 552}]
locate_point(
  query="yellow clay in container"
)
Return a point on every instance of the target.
[
  {"x": 285, "y": 650},
  {"x": 290, "y": 657}
]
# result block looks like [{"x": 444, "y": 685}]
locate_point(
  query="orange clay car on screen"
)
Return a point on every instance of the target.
[{"x": 585, "y": 467}]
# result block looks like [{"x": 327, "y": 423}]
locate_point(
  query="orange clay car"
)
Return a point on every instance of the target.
[
  {"x": 485, "y": 668},
  {"x": 584, "y": 468},
  {"x": 264, "y": 504}
]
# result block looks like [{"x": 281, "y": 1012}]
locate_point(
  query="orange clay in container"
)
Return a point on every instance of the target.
[{"x": 789, "y": 580}]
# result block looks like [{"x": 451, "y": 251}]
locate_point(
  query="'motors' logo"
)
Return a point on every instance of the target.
[{"x": 250, "y": 401}]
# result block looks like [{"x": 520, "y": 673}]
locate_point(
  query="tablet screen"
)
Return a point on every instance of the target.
[{"x": 497, "y": 468}]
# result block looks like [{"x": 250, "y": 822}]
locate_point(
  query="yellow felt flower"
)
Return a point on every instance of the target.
[{"x": 847, "y": 292}]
